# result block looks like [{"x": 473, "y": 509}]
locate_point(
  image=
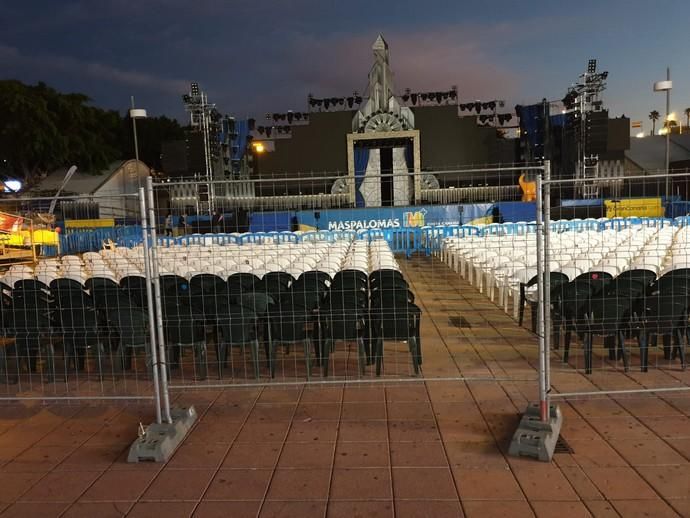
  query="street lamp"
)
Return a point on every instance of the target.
[
  {"x": 666, "y": 86},
  {"x": 134, "y": 114}
]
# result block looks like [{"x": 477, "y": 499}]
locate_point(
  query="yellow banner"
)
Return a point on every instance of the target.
[
  {"x": 641, "y": 207},
  {"x": 90, "y": 223}
]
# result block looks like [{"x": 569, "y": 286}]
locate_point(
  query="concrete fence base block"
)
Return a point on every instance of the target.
[
  {"x": 159, "y": 441},
  {"x": 535, "y": 438}
]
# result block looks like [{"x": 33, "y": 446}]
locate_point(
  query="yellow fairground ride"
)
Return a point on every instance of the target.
[{"x": 21, "y": 239}]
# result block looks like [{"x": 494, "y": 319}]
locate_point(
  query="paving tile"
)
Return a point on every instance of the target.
[
  {"x": 669, "y": 481},
  {"x": 648, "y": 452},
  {"x": 14, "y": 484},
  {"x": 361, "y": 455},
  {"x": 119, "y": 485},
  {"x": 428, "y": 509},
  {"x": 312, "y": 431},
  {"x": 412, "y": 431},
  {"x": 458, "y": 430},
  {"x": 299, "y": 484},
  {"x": 474, "y": 454},
  {"x": 544, "y": 481},
  {"x": 279, "y": 395},
  {"x": 38, "y": 458},
  {"x": 314, "y": 454},
  {"x": 198, "y": 455},
  {"x": 622, "y": 427},
  {"x": 560, "y": 509},
  {"x": 497, "y": 509},
  {"x": 494, "y": 484},
  {"x": 423, "y": 484},
  {"x": 644, "y": 508},
  {"x": 360, "y": 431},
  {"x": 264, "y": 432},
  {"x": 60, "y": 486},
  {"x": 406, "y": 410},
  {"x": 216, "y": 509},
  {"x": 361, "y": 484},
  {"x": 601, "y": 509},
  {"x": 99, "y": 509},
  {"x": 167, "y": 509},
  {"x": 381, "y": 509},
  {"x": 364, "y": 410},
  {"x": 596, "y": 453},
  {"x": 252, "y": 455},
  {"x": 317, "y": 411},
  {"x": 620, "y": 483},
  {"x": 681, "y": 506},
  {"x": 582, "y": 485},
  {"x": 34, "y": 510},
  {"x": 330, "y": 394},
  {"x": 239, "y": 484},
  {"x": 272, "y": 412},
  {"x": 418, "y": 454},
  {"x": 669, "y": 426},
  {"x": 212, "y": 429},
  {"x": 177, "y": 484},
  {"x": 91, "y": 458},
  {"x": 353, "y": 394},
  {"x": 306, "y": 509}
]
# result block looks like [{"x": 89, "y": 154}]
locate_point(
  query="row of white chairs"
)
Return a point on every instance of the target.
[
  {"x": 222, "y": 260},
  {"x": 501, "y": 263}
]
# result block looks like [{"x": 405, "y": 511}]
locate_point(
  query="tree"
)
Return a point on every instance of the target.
[
  {"x": 687, "y": 117},
  {"x": 42, "y": 129},
  {"x": 654, "y": 116}
]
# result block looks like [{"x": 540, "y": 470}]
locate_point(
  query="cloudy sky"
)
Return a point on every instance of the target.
[{"x": 258, "y": 57}]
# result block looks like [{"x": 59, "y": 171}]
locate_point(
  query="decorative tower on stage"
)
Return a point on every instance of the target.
[{"x": 383, "y": 155}]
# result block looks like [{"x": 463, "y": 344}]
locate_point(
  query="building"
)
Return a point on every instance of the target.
[{"x": 95, "y": 196}]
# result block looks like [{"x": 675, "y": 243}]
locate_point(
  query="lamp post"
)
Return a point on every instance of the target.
[
  {"x": 666, "y": 86},
  {"x": 134, "y": 114}
]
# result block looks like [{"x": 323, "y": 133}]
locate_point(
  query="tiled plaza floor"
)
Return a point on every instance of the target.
[{"x": 433, "y": 448}]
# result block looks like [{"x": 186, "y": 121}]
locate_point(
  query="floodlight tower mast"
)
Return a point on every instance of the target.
[
  {"x": 589, "y": 90},
  {"x": 201, "y": 111}
]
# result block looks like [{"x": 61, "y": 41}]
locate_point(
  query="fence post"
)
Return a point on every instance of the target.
[
  {"x": 540, "y": 426},
  {"x": 149, "y": 299},
  {"x": 543, "y": 405},
  {"x": 547, "y": 276},
  {"x": 159, "y": 440},
  {"x": 163, "y": 364}
]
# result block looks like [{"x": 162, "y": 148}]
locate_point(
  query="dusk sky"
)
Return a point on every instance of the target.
[{"x": 258, "y": 57}]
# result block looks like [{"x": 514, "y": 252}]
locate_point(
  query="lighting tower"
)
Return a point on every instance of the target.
[
  {"x": 583, "y": 100},
  {"x": 204, "y": 117}
]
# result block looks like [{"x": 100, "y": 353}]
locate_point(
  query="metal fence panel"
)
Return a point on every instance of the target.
[
  {"x": 617, "y": 279},
  {"x": 75, "y": 320},
  {"x": 347, "y": 294}
]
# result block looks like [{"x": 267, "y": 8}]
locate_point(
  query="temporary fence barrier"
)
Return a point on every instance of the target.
[{"x": 345, "y": 305}]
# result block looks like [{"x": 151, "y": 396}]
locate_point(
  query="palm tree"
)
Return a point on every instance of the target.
[
  {"x": 654, "y": 116},
  {"x": 687, "y": 117}
]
